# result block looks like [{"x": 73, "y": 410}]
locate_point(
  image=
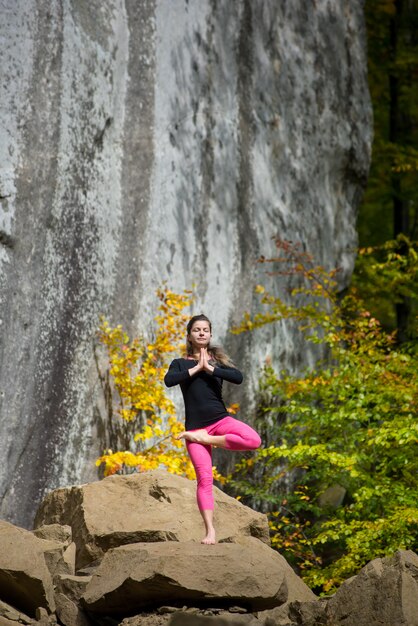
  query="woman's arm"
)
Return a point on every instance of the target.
[
  {"x": 175, "y": 375},
  {"x": 230, "y": 374}
]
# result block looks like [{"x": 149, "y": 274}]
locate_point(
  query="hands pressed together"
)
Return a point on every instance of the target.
[{"x": 203, "y": 363}]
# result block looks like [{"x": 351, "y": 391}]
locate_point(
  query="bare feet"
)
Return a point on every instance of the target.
[
  {"x": 197, "y": 436},
  {"x": 210, "y": 538}
]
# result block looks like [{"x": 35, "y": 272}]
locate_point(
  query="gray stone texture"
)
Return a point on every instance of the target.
[{"x": 149, "y": 141}]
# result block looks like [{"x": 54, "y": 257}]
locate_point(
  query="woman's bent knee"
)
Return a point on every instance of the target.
[
  {"x": 243, "y": 442},
  {"x": 256, "y": 441}
]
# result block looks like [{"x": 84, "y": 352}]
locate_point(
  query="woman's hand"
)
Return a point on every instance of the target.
[
  {"x": 204, "y": 361},
  {"x": 203, "y": 364}
]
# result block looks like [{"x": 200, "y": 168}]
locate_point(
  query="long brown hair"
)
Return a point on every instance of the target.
[{"x": 219, "y": 355}]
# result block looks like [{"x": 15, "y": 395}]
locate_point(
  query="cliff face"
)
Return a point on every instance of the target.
[{"x": 150, "y": 141}]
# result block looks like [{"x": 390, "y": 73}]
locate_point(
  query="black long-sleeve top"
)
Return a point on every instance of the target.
[{"x": 202, "y": 393}]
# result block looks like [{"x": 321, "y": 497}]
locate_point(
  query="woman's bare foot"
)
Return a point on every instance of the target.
[
  {"x": 197, "y": 436},
  {"x": 210, "y": 538}
]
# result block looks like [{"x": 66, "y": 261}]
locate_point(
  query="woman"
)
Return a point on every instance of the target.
[{"x": 200, "y": 375}]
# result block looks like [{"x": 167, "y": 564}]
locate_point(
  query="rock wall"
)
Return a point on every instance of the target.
[{"x": 149, "y": 141}]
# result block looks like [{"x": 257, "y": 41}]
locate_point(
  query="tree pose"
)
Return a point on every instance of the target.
[{"x": 200, "y": 375}]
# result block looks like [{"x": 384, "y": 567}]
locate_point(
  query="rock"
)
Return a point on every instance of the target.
[
  {"x": 25, "y": 580},
  {"x": 385, "y": 592},
  {"x": 89, "y": 569},
  {"x": 69, "y": 590},
  {"x": 5, "y": 621},
  {"x": 332, "y": 496},
  {"x": 144, "y": 575},
  {"x": 301, "y": 605},
  {"x": 69, "y": 613},
  {"x": 146, "y": 619},
  {"x": 43, "y": 619},
  {"x": 54, "y": 532},
  {"x": 283, "y": 616},
  {"x": 191, "y": 617},
  {"x": 148, "y": 507},
  {"x": 71, "y": 586},
  {"x": 10, "y": 614},
  {"x": 183, "y": 619},
  {"x": 306, "y": 613},
  {"x": 67, "y": 566}
]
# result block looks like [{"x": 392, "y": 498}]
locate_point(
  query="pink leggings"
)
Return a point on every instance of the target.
[{"x": 238, "y": 436}]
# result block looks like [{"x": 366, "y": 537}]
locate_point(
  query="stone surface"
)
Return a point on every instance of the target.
[
  {"x": 5, "y": 621},
  {"x": 173, "y": 583},
  {"x": 384, "y": 592},
  {"x": 54, "y": 532},
  {"x": 68, "y": 560},
  {"x": 43, "y": 618},
  {"x": 149, "y": 141},
  {"x": 143, "y": 575},
  {"x": 72, "y": 587},
  {"x": 153, "y": 506},
  {"x": 146, "y": 619},
  {"x": 303, "y": 614},
  {"x": 332, "y": 497},
  {"x": 7, "y": 612},
  {"x": 182, "y": 619},
  {"x": 68, "y": 591},
  {"x": 69, "y": 613},
  {"x": 25, "y": 580}
]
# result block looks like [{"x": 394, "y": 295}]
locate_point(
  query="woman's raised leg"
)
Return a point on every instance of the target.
[
  {"x": 237, "y": 434},
  {"x": 228, "y": 433}
]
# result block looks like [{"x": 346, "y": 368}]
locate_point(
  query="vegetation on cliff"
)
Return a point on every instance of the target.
[{"x": 348, "y": 423}]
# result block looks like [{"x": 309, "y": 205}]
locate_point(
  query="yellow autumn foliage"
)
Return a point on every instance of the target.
[{"x": 137, "y": 368}]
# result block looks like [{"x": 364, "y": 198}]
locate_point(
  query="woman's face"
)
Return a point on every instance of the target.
[{"x": 200, "y": 335}]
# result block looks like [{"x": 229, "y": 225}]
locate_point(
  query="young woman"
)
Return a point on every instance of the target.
[{"x": 200, "y": 375}]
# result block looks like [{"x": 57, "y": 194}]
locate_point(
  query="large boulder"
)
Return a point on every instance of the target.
[
  {"x": 148, "y": 507},
  {"x": 385, "y": 592},
  {"x": 142, "y": 575},
  {"x": 25, "y": 577}
]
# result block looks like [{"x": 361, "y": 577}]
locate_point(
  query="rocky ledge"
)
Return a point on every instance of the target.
[{"x": 126, "y": 550}]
